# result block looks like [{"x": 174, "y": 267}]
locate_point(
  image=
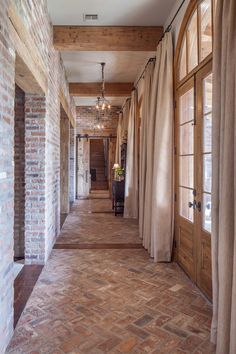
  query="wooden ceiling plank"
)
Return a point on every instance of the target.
[
  {"x": 108, "y": 38},
  {"x": 93, "y": 89}
]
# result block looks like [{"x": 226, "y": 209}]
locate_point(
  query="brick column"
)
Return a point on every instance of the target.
[
  {"x": 72, "y": 163},
  {"x": 35, "y": 183},
  {"x": 19, "y": 174},
  {"x": 65, "y": 162},
  {"x": 7, "y": 87}
]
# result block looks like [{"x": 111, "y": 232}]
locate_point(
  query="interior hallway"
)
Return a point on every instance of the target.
[{"x": 110, "y": 300}]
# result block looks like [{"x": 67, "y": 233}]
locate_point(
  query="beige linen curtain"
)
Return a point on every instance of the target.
[
  {"x": 124, "y": 128},
  {"x": 156, "y": 199},
  {"x": 119, "y": 140},
  {"x": 162, "y": 188},
  {"x": 146, "y": 159},
  {"x": 224, "y": 179},
  {"x": 131, "y": 177}
]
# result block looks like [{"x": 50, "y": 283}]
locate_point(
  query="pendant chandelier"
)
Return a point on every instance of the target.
[{"x": 102, "y": 104}]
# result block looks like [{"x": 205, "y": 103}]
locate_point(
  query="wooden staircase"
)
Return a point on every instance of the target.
[{"x": 98, "y": 164}]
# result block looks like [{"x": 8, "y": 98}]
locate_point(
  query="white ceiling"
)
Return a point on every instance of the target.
[
  {"x": 120, "y": 66},
  {"x": 111, "y": 12}
]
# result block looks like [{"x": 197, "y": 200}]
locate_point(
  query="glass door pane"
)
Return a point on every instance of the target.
[
  {"x": 183, "y": 61},
  {"x": 186, "y": 153},
  {"x": 207, "y": 152},
  {"x": 205, "y": 29},
  {"x": 192, "y": 42}
]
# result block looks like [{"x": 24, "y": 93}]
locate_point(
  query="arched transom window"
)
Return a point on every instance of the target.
[{"x": 197, "y": 39}]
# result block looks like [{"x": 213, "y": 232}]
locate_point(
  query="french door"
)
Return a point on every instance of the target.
[{"x": 193, "y": 177}]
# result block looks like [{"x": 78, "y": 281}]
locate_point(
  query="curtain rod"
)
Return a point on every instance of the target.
[
  {"x": 168, "y": 28},
  {"x": 141, "y": 76}
]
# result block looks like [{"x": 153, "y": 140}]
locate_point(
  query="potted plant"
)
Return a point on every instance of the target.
[{"x": 119, "y": 172}]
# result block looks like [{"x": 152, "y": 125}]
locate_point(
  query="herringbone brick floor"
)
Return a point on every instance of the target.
[{"x": 111, "y": 301}]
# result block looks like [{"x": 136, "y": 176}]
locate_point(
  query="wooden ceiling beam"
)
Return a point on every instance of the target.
[
  {"x": 93, "y": 89},
  {"x": 66, "y": 108},
  {"x": 100, "y": 38}
]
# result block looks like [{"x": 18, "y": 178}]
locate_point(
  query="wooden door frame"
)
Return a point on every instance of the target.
[
  {"x": 201, "y": 233},
  {"x": 177, "y": 85},
  {"x": 187, "y": 223}
]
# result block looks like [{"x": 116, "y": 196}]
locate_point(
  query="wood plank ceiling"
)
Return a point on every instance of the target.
[{"x": 124, "y": 36}]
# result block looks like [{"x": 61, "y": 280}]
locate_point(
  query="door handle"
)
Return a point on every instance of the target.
[
  {"x": 199, "y": 206},
  {"x": 192, "y": 205}
]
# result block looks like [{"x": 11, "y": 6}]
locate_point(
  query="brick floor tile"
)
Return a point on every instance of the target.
[
  {"x": 127, "y": 345},
  {"x": 71, "y": 344},
  {"x": 93, "y": 301},
  {"x": 137, "y": 331},
  {"x": 109, "y": 344},
  {"x": 161, "y": 320},
  {"x": 143, "y": 320},
  {"x": 176, "y": 330}
]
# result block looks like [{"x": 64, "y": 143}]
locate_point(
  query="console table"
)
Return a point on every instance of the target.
[{"x": 118, "y": 196}]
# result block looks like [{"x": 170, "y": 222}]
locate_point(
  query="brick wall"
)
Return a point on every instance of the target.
[
  {"x": 7, "y": 88},
  {"x": 72, "y": 163},
  {"x": 19, "y": 174},
  {"x": 64, "y": 162},
  {"x": 42, "y": 158},
  {"x": 35, "y": 179},
  {"x": 85, "y": 120},
  {"x": 36, "y": 19}
]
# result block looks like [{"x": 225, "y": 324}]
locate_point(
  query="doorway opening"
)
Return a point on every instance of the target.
[
  {"x": 19, "y": 181},
  {"x": 99, "y": 164},
  {"x": 64, "y": 165}
]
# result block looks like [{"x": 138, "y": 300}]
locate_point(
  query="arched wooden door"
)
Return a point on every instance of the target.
[{"x": 193, "y": 143}]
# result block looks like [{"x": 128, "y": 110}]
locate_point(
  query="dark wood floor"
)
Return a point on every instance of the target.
[{"x": 23, "y": 287}]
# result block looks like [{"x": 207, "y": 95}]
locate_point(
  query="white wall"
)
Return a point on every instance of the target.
[
  {"x": 175, "y": 26},
  {"x": 178, "y": 21}
]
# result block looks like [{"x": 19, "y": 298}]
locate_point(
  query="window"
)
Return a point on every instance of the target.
[
  {"x": 193, "y": 143},
  {"x": 197, "y": 40}
]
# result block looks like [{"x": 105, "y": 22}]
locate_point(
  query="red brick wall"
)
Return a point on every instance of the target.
[
  {"x": 65, "y": 162},
  {"x": 35, "y": 179},
  {"x": 72, "y": 163},
  {"x": 85, "y": 119},
  {"x": 7, "y": 92},
  {"x": 19, "y": 174},
  {"x": 42, "y": 159},
  {"x": 36, "y": 19}
]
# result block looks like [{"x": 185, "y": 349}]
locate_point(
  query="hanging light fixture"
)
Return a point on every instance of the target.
[{"x": 102, "y": 104}]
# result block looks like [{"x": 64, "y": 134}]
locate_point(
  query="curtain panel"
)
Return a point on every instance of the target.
[
  {"x": 119, "y": 139},
  {"x": 146, "y": 158},
  {"x": 124, "y": 128},
  {"x": 224, "y": 179},
  {"x": 131, "y": 176},
  {"x": 157, "y": 147},
  {"x": 162, "y": 208}
]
